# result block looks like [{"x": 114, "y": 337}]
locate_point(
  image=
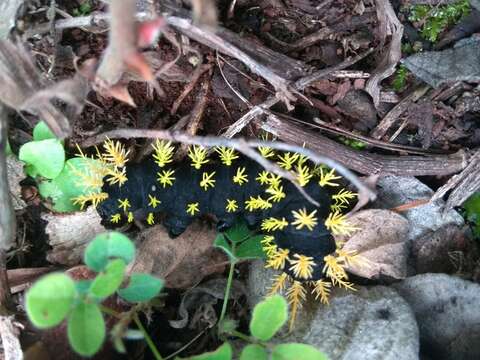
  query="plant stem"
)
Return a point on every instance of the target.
[
  {"x": 227, "y": 289},
  {"x": 241, "y": 336},
  {"x": 148, "y": 339},
  {"x": 109, "y": 311}
]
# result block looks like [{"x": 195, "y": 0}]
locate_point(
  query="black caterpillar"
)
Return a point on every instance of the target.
[{"x": 298, "y": 237}]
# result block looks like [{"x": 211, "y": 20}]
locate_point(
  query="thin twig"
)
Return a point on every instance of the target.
[
  {"x": 197, "y": 73},
  {"x": 244, "y": 146},
  {"x": 7, "y": 216},
  {"x": 300, "y": 84}
]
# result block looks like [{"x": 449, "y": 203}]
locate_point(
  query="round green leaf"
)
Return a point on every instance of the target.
[
  {"x": 294, "y": 351},
  {"x": 86, "y": 329},
  {"x": 46, "y": 156},
  {"x": 253, "y": 351},
  {"x": 107, "y": 246},
  {"x": 268, "y": 317},
  {"x": 224, "y": 352},
  {"x": 142, "y": 287},
  {"x": 67, "y": 185},
  {"x": 50, "y": 299},
  {"x": 41, "y": 131},
  {"x": 107, "y": 282}
]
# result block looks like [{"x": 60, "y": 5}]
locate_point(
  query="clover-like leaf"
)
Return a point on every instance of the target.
[
  {"x": 251, "y": 248},
  {"x": 238, "y": 232},
  {"x": 50, "y": 299},
  {"x": 239, "y": 242},
  {"x": 253, "y": 351},
  {"x": 86, "y": 329},
  {"x": 109, "y": 280},
  {"x": 224, "y": 352},
  {"x": 294, "y": 351},
  {"x": 142, "y": 287},
  {"x": 45, "y": 157},
  {"x": 268, "y": 317},
  {"x": 41, "y": 131},
  {"x": 67, "y": 185},
  {"x": 107, "y": 246}
]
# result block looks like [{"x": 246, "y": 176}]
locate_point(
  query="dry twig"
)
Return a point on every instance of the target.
[
  {"x": 464, "y": 184},
  {"x": 392, "y": 116},
  {"x": 389, "y": 25},
  {"x": 300, "y": 84},
  {"x": 7, "y": 216},
  {"x": 363, "y": 161}
]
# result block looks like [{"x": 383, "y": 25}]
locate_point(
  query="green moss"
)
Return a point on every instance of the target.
[
  {"x": 436, "y": 19},
  {"x": 400, "y": 78},
  {"x": 472, "y": 212},
  {"x": 84, "y": 9}
]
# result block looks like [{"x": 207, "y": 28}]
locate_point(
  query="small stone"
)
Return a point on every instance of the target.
[
  {"x": 446, "y": 309},
  {"x": 400, "y": 190}
]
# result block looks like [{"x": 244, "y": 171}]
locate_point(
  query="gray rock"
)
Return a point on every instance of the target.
[
  {"x": 258, "y": 282},
  {"x": 399, "y": 190},
  {"x": 448, "y": 66},
  {"x": 369, "y": 324},
  {"x": 448, "y": 314}
]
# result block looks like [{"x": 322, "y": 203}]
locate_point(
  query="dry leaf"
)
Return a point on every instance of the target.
[
  {"x": 381, "y": 241},
  {"x": 200, "y": 301},
  {"x": 184, "y": 261}
]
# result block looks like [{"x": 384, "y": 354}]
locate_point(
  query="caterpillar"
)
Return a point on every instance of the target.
[{"x": 298, "y": 236}]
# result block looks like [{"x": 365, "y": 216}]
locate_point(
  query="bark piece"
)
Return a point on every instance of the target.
[
  {"x": 9, "y": 336},
  {"x": 15, "y": 174},
  {"x": 70, "y": 234}
]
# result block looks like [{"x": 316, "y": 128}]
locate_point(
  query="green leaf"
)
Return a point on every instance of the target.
[
  {"x": 472, "y": 212},
  {"x": 41, "y": 131},
  {"x": 108, "y": 281},
  {"x": 142, "y": 287},
  {"x": 107, "y": 246},
  {"x": 8, "y": 149},
  {"x": 67, "y": 185},
  {"x": 224, "y": 352},
  {"x": 45, "y": 157},
  {"x": 253, "y": 351},
  {"x": 251, "y": 248},
  {"x": 83, "y": 286},
  {"x": 86, "y": 329},
  {"x": 239, "y": 242},
  {"x": 295, "y": 351},
  {"x": 222, "y": 243},
  {"x": 238, "y": 232},
  {"x": 50, "y": 299},
  {"x": 268, "y": 317}
]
